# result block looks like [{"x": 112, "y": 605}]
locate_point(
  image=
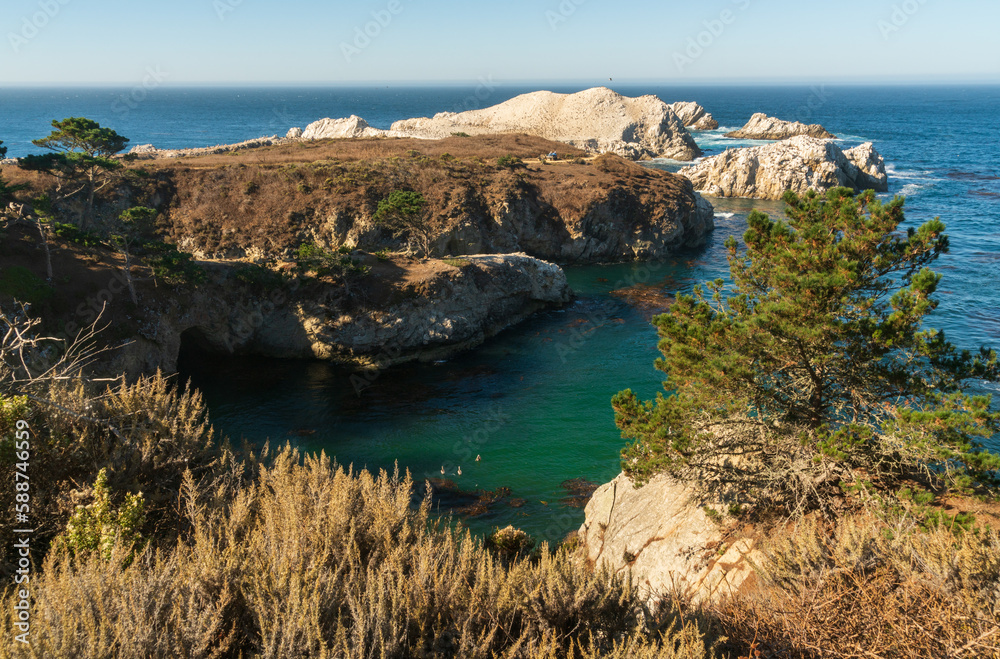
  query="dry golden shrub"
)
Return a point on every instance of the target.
[
  {"x": 312, "y": 560},
  {"x": 873, "y": 588}
]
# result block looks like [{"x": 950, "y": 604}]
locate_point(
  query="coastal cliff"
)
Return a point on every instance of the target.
[
  {"x": 402, "y": 310},
  {"x": 763, "y": 127},
  {"x": 798, "y": 164}
]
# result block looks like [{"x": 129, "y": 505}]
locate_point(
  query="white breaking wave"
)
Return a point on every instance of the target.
[
  {"x": 915, "y": 174},
  {"x": 725, "y": 216},
  {"x": 911, "y": 188}
]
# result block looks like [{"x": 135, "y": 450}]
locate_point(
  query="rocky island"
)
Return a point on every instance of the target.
[
  {"x": 763, "y": 127},
  {"x": 799, "y": 164}
]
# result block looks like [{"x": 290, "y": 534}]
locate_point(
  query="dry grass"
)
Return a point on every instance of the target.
[
  {"x": 312, "y": 560},
  {"x": 271, "y": 200},
  {"x": 874, "y": 589}
]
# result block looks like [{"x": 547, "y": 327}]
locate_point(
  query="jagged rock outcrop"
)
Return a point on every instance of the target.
[
  {"x": 694, "y": 116},
  {"x": 667, "y": 542},
  {"x": 294, "y": 133},
  {"x": 763, "y": 127},
  {"x": 598, "y": 120},
  {"x": 417, "y": 310},
  {"x": 800, "y": 163},
  {"x": 353, "y": 126}
]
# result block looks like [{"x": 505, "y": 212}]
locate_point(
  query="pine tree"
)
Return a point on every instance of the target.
[
  {"x": 812, "y": 369},
  {"x": 82, "y": 157}
]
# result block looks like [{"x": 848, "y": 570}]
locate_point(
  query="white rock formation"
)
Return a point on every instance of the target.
[
  {"x": 763, "y": 127},
  {"x": 694, "y": 116},
  {"x": 353, "y": 126},
  {"x": 800, "y": 163},
  {"x": 294, "y": 133},
  {"x": 596, "y": 119},
  {"x": 665, "y": 540}
]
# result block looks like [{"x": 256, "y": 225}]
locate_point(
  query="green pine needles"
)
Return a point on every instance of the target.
[{"x": 812, "y": 369}]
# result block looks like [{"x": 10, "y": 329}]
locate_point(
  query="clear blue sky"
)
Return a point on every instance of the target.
[{"x": 303, "y": 41}]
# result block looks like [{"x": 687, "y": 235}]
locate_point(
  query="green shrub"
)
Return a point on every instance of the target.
[
  {"x": 96, "y": 527},
  {"x": 509, "y": 162},
  {"x": 23, "y": 285},
  {"x": 172, "y": 265}
]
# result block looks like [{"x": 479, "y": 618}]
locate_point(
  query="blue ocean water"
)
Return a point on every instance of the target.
[{"x": 533, "y": 403}]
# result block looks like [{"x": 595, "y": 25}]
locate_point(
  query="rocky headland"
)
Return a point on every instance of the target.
[
  {"x": 763, "y": 127},
  {"x": 799, "y": 164},
  {"x": 496, "y": 222},
  {"x": 482, "y": 196}
]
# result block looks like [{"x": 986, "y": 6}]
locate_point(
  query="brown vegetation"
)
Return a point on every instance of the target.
[{"x": 268, "y": 201}]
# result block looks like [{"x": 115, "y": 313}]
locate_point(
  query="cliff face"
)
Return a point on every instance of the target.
[
  {"x": 596, "y": 119},
  {"x": 573, "y": 210},
  {"x": 798, "y": 164},
  {"x": 763, "y": 127},
  {"x": 401, "y": 311},
  {"x": 665, "y": 541}
]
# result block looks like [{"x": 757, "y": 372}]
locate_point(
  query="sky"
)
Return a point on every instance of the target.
[{"x": 179, "y": 42}]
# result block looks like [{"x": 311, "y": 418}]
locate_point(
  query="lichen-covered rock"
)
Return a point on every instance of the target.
[
  {"x": 763, "y": 127},
  {"x": 667, "y": 541},
  {"x": 694, "y": 116},
  {"x": 799, "y": 164},
  {"x": 598, "y": 119}
]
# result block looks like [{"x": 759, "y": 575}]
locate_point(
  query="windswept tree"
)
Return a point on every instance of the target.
[
  {"x": 405, "y": 214},
  {"x": 7, "y": 190},
  {"x": 81, "y": 161},
  {"x": 132, "y": 228},
  {"x": 812, "y": 370}
]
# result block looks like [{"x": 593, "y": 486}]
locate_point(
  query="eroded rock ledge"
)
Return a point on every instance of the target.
[
  {"x": 799, "y": 164},
  {"x": 403, "y": 310},
  {"x": 763, "y": 127}
]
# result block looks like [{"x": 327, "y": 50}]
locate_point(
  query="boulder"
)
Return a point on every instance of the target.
[
  {"x": 666, "y": 540},
  {"x": 763, "y": 127},
  {"x": 694, "y": 116},
  {"x": 353, "y": 126},
  {"x": 598, "y": 120},
  {"x": 800, "y": 164},
  {"x": 294, "y": 133}
]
